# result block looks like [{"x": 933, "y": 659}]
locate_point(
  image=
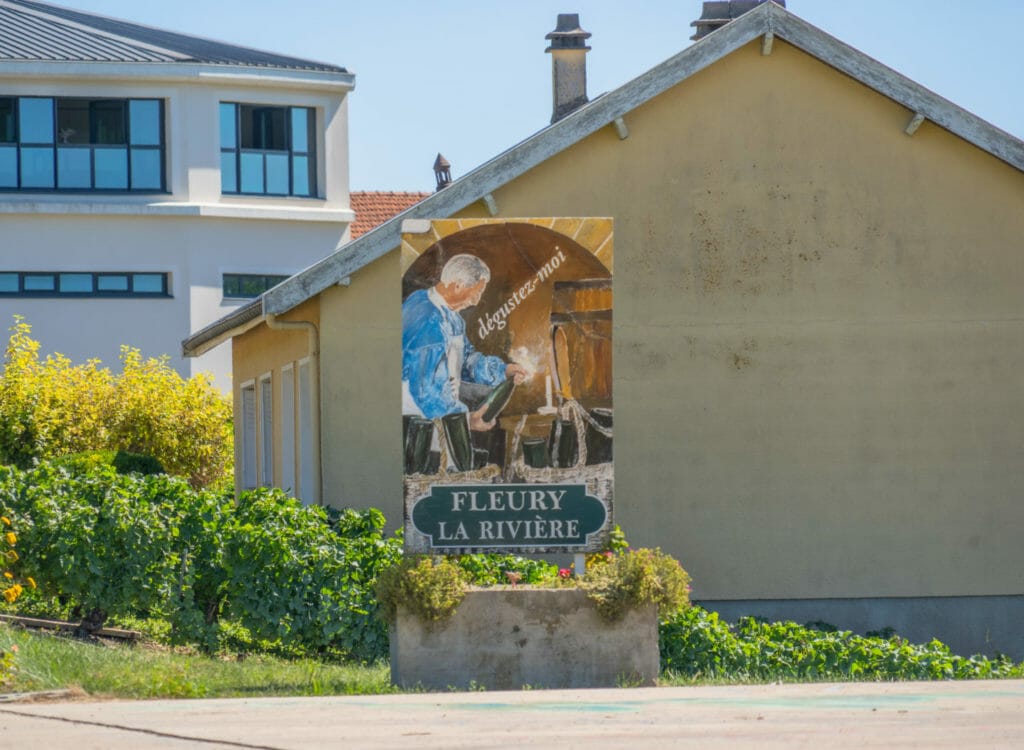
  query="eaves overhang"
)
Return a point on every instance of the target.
[
  {"x": 177, "y": 73},
  {"x": 234, "y": 323}
]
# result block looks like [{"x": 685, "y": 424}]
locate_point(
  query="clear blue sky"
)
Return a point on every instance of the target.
[{"x": 469, "y": 78}]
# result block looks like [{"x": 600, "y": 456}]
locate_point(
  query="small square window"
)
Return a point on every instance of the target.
[{"x": 8, "y": 283}]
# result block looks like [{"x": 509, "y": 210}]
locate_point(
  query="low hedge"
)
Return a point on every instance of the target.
[
  {"x": 267, "y": 573},
  {"x": 103, "y": 544}
]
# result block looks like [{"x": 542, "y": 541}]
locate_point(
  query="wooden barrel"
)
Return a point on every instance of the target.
[{"x": 581, "y": 340}]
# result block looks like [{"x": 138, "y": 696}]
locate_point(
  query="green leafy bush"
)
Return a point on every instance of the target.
[
  {"x": 696, "y": 643},
  {"x": 493, "y": 569},
  {"x": 50, "y": 407},
  {"x": 430, "y": 589},
  {"x": 635, "y": 578},
  {"x": 132, "y": 546},
  {"x": 290, "y": 576},
  {"x": 110, "y": 543},
  {"x": 123, "y": 462}
]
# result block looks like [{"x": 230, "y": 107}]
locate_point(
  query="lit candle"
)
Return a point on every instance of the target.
[{"x": 547, "y": 389}]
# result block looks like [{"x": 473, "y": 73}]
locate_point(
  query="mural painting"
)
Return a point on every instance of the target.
[{"x": 507, "y": 416}]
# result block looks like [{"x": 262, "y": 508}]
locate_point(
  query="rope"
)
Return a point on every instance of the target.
[{"x": 580, "y": 417}]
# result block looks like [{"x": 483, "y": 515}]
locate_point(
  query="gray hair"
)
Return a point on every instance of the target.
[{"x": 465, "y": 270}]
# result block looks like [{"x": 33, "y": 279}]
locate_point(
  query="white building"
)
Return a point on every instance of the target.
[{"x": 153, "y": 182}]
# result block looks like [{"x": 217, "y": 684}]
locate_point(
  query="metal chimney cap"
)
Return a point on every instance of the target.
[
  {"x": 568, "y": 27},
  {"x": 441, "y": 163}
]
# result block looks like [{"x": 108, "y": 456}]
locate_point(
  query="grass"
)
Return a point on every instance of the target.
[{"x": 48, "y": 662}]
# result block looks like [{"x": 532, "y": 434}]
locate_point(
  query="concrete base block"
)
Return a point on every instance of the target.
[{"x": 504, "y": 639}]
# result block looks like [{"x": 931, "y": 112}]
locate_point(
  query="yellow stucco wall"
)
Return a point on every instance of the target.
[
  {"x": 259, "y": 352},
  {"x": 819, "y": 335}
]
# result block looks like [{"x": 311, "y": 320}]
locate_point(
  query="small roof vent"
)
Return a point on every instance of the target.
[{"x": 442, "y": 172}]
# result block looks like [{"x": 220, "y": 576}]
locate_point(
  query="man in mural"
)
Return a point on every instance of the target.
[{"x": 436, "y": 355}]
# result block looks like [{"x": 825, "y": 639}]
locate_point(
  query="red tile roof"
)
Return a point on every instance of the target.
[{"x": 373, "y": 208}]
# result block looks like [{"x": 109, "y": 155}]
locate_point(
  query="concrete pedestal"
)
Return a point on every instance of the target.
[{"x": 504, "y": 639}]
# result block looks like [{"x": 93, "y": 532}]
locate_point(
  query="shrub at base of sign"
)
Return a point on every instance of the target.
[
  {"x": 616, "y": 581},
  {"x": 430, "y": 590}
]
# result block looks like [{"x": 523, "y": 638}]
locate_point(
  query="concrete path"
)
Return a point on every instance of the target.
[{"x": 889, "y": 715}]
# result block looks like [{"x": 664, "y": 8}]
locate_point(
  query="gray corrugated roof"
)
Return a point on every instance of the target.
[{"x": 31, "y": 30}]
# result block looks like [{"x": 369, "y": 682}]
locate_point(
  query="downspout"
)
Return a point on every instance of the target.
[{"x": 314, "y": 389}]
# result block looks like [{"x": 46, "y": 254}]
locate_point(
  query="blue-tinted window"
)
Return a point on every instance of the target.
[
  {"x": 144, "y": 119},
  {"x": 8, "y": 166},
  {"x": 300, "y": 138},
  {"x": 228, "y": 126},
  {"x": 75, "y": 283},
  {"x": 112, "y": 282},
  {"x": 267, "y": 150},
  {"x": 228, "y": 172},
  {"x": 252, "y": 173},
  {"x": 39, "y": 282},
  {"x": 111, "y": 168},
  {"x": 148, "y": 283},
  {"x": 300, "y": 175},
  {"x": 73, "y": 143},
  {"x": 146, "y": 169},
  {"x": 74, "y": 167},
  {"x": 277, "y": 174},
  {"x": 83, "y": 284},
  {"x": 37, "y": 167},
  {"x": 35, "y": 121}
]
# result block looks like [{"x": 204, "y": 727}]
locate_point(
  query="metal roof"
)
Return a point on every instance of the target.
[{"x": 35, "y": 31}]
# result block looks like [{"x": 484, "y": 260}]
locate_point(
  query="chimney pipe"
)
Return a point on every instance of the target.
[
  {"x": 717, "y": 14},
  {"x": 568, "y": 65}
]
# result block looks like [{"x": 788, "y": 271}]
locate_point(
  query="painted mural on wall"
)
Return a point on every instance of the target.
[{"x": 507, "y": 417}]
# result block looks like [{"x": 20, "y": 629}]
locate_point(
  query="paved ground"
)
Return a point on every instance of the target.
[{"x": 889, "y": 715}]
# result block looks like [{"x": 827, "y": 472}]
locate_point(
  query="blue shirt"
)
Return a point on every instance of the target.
[{"x": 436, "y": 355}]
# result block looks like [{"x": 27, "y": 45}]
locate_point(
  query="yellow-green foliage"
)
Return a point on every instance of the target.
[
  {"x": 635, "y": 578},
  {"x": 431, "y": 590},
  {"x": 10, "y": 585},
  {"x": 52, "y": 407}
]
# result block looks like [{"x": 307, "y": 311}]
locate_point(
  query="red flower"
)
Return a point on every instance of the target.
[{"x": 564, "y": 573}]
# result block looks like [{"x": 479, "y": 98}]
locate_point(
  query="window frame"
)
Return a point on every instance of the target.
[
  {"x": 236, "y": 151},
  {"x": 267, "y": 281},
  {"x": 54, "y": 290},
  {"x": 54, "y": 149}
]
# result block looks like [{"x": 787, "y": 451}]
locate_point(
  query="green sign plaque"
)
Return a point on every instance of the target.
[{"x": 510, "y": 517}]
